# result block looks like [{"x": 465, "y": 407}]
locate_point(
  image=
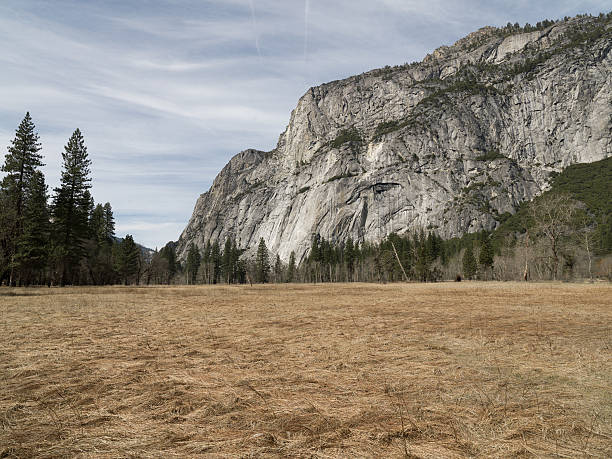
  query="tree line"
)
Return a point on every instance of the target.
[
  {"x": 65, "y": 238},
  {"x": 62, "y": 239}
]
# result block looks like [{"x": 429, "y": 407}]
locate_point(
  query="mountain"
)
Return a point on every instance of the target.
[{"x": 452, "y": 143}]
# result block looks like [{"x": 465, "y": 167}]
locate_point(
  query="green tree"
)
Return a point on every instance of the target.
[
  {"x": 278, "y": 270},
  {"x": 109, "y": 222},
  {"x": 128, "y": 259},
  {"x": 226, "y": 261},
  {"x": 32, "y": 247},
  {"x": 262, "y": 262},
  {"x": 349, "y": 257},
  {"x": 169, "y": 265},
  {"x": 469, "y": 263},
  {"x": 71, "y": 207},
  {"x": 485, "y": 258},
  {"x": 215, "y": 259},
  {"x": 291, "y": 267},
  {"x": 96, "y": 225},
  {"x": 100, "y": 246},
  {"x": 193, "y": 263},
  {"x": 20, "y": 164}
]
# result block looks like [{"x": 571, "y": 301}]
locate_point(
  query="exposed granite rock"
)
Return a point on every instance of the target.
[{"x": 450, "y": 143}]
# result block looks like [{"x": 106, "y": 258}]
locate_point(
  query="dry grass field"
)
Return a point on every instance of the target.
[{"x": 349, "y": 370}]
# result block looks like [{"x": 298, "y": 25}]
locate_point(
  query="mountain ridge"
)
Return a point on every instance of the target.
[{"x": 449, "y": 143}]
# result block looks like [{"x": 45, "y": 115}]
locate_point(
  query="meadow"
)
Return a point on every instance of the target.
[{"x": 307, "y": 370}]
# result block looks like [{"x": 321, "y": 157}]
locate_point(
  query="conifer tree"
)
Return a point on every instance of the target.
[
  {"x": 193, "y": 263},
  {"x": 215, "y": 259},
  {"x": 109, "y": 223},
  {"x": 349, "y": 257},
  {"x": 291, "y": 267},
  {"x": 278, "y": 270},
  {"x": 20, "y": 164},
  {"x": 206, "y": 262},
  {"x": 238, "y": 268},
  {"x": 262, "y": 262},
  {"x": 32, "y": 246},
  {"x": 226, "y": 261},
  {"x": 128, "y": 259},
  {"x": 96, "y": 225},
  {"x": 168, "y": 254},
  {"x": 469, "y": 263},
  {"x": 71, "y": 207},
  {"x": 485, "y": 258}
]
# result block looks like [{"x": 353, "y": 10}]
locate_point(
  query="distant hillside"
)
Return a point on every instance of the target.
[{"x": 589, "y": 183}]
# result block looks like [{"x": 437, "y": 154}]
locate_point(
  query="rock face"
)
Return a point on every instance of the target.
[{"x": 450, "y": 144}]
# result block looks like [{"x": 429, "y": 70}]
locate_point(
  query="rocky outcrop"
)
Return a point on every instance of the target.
[{"x": 452, "y": 143}]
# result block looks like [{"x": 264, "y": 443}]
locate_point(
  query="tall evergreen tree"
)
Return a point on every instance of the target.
[
  {"x": 71, "y": 206},
  {"x": 100, "y": 247},
  {"x": 32, "y": 246},
  {"x": 109, "y": 222},
  {"x": 206, "y": 262},
  {"x": 20, "y": 164},
  {"x": 278, "y": 270},
  {"x": 485, "y": 257},
  {"x": 349, "y": 257},
  {"x": 7, "y": 235},
  {"x": 128, "y": 259},
  {"x": 469, "y": 263},
  {"x": 168, "y": 254},
  {"x": 226, "y": 261},
  {"x": 215, "y": 259},
  {"x": 262, "y": 262},
  {"x": 193, "y": 263},
  {"x": 291, "y": 268},
  {"x": 96, "y": 225}
]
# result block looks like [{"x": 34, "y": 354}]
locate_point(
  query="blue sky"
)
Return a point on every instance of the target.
[{"x": 166, "y": 92}]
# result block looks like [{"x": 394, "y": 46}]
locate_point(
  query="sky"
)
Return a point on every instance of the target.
[{"x": 166, "y": 92}]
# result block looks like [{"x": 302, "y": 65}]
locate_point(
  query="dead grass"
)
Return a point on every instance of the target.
[{"x": 349, "y": 370}]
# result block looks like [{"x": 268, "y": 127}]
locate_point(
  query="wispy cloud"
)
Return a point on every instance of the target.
[{"x": 168, "y": 90}]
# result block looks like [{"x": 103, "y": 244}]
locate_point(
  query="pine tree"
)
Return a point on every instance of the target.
[
  {"x": 485, "y": 258},
  {"x": 100, "y": 246},
  {"x": 109, "y": 222},
  {"x": 215, "y": 259},
  {"x": 21, "y": 162},
  {"x": 168, "y": 254},
  {"x": 349, "y": 257},
  {"x": 20, "y": 165},
  {"x": 33, "y": 245},
  {"x": 193, "y": 263},
  {"x": 278, "y": 270},
  {"x": 262, "y": 263},
  {"x": 7, "y": 234},
  {"x": 71, "y": 207},
  {"x": 238, "y": 274},
  {"x": 226, "y": 261},
  {"x": 128, "y": 259},
  {"x": 291, "y": 268},
  {"x": 206, "y": 261},
  {"x": 469, "y": 263},
  {"x": 96, "y": 225}
]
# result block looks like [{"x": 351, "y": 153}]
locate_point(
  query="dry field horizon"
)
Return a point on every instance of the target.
[{"x": 468, "y": 369}]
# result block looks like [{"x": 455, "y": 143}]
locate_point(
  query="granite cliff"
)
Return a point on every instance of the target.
[{"x": 453, "y": 143}]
